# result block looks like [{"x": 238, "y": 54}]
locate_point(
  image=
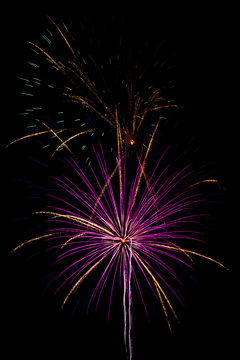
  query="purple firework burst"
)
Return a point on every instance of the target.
[
  {"x": 125, "y": 229},
  {"x": 134, "y": 231}
]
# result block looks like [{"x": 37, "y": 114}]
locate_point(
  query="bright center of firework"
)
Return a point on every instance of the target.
[
  {"x": 123, "y": 240},
  {"x": 131, "y": 142}
]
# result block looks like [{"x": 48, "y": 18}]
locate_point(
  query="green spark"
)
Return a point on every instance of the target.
[
  {"x": 49, "y": 32},
  {"x": 35, "y": 51},
  {"x": 45, "y": 146},
  {"x": 23, "y": 113},
  {"x": 23, "y": 79},
  {"x": 31, "y": 126},
  {"x": 65, "y": 26},
  {"x": 46, "y": 38},
  {"x": 27, "y": 94},
  {"x": 33, "y": 64}
]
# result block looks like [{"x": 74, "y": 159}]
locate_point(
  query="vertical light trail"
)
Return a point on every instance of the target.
[
  {"x": 127, "y": 300},
  {"x": 130, "y": 302},
  {"x": 124, "y": 308}
]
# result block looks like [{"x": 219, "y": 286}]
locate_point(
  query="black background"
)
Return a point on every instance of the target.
[{"x": 34, "y": 325}]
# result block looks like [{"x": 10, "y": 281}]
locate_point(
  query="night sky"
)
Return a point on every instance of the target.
[{"x": 201, "y": 45}]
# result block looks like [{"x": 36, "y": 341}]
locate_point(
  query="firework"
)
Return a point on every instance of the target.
[
  {"x": 124, "y": 233},
  {"x": 129, "y": 223},
  {"x": 101, "y": 109}
]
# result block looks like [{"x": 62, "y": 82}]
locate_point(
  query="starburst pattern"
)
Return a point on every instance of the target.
[{"x": 124, "y": 231}]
